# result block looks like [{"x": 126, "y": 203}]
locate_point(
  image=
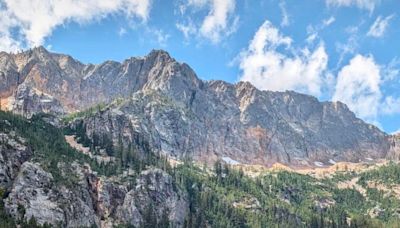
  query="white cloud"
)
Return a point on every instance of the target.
[
  {"x": 161, "y": 37},
  {"x": 392, "y": 70},
  {"x": 219, "y": 22},
  {"x": 350, "y": 46},
  {"x": 361, "y": 85},
  {"x": 36, "y": 19},
  {"x": 390, "y": 106},
  {"x": 362, "y": 4},
  {"x": 358, "y": 86},
  {"x": 285, "y": 16},
  {"x": 187, "y": 30},
  {"x": 121, "y": 31},
  {"x": 379, "y": 27},
  {"x": 7, "y": 43},
  {"x": 328, "y": 21},
  {"x": 313, "y": 31},
  {"x": 266, "y": 65}
]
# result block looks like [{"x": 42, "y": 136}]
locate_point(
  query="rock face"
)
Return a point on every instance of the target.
[
  {"x": 29, "y": 101},
  {"x": 32, "y": 196},
  {"x": 243, "y": 124},
  {"x": 394, "y": 152},
  {"x": 167, "y": 105},
  {"x": 13, "y": 153},
  {"x": 90, "y": 200},
  {"x": 154, "y": 192}
]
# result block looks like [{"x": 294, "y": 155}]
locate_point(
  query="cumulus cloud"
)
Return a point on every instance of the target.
[
  {"x": 362, "y": 4},
  {"x": 379, "y": 27},
  {"x": 266, "y": 65},
  {"x": 219, "y": 22},
  {"x": 36, "y": 19},
  {"x": 359, "y": 85}
]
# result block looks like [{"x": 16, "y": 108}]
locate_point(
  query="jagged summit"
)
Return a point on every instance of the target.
[{"x": 158, "y": 52}]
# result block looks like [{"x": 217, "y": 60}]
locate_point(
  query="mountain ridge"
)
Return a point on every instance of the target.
[{"x": 182, "y": 115}]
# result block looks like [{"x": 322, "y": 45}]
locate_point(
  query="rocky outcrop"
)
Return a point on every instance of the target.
[
  {"x": 154, "y": 193},
  {"x": 394, "y": 152},
  {"x": 29, "y": 101},
  {"x": 13, "y": 153},
  {"x": 9, "y": 75},
  {"x": 94, "y": 200},
  {"x": 32, "y": 195}
]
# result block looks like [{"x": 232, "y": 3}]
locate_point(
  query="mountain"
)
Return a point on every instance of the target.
[
  {"x": 165, "y": 103},
  {"x": 131, "y": 145}
]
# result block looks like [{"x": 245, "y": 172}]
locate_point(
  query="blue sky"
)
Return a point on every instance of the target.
[{"x": 347, "y": 50}]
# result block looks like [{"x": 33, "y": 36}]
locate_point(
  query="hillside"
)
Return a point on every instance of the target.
[{"x": 45, "y": 181}]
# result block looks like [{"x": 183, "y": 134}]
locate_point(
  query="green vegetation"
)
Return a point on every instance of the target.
[
  {"x": 49, "y": 146},
  {"x": 388, "y": 174},
  {"x": 92, "y": 110},
  {"x": 283, "y": 199},
  {"x": 86, "y": 113}
]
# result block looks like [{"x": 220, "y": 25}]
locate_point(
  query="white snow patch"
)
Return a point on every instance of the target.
[
  {"x": 230, "y": 161},
  {"x": 319, "y": 164},
  {"x": 332, "y": 161},
  {"x": 46, "y": 100},
  {"x": 296, "y": 127},
  {"x": 117, "y": 112},
  {"x": 369, "y": 159}
]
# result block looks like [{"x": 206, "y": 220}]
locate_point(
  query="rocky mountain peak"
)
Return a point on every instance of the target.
[
  {"x": 40, "y": 53},
  {"x": 159, "y": 53}
]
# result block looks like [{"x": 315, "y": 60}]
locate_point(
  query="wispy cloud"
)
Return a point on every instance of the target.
[
  {"x": 285, "y": 15},
  {"x": 218, "y": 23},
  {"x": 351, "y": 45},
  {"x": 313, "y": 31},
  {"x": 328, "y": 21},
  {"x": 161, "y": 37},
  {"x": 121, "y": 31},
  {"x": 362, "y": 4},
  {"x": 378, "y": 28},
  {"x": 187, "y": 29}
]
